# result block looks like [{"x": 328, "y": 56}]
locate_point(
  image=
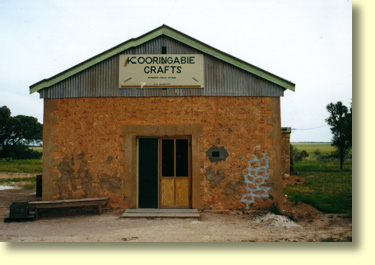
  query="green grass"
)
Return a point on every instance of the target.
[
  {"x": 21, "y": 165},
  {"x": 39, "y": 148},
  {"x": 29, "y": 186},
  {"x": 12, "y": 180},
  {"x": 329, "y": 192},
  {"x": 29, "y": 183},
  {"x": 325, "y": 148},
  {"x": 312, "y": 164},
  {"x": 328, "y": 188}
]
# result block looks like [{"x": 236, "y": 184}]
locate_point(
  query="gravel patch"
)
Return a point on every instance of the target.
[
  {"x": 271, "y": 219},
  {"x": 2, "y": 187}
]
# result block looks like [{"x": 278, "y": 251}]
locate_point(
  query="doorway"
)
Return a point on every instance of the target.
[{"x": 164, "y": 172}]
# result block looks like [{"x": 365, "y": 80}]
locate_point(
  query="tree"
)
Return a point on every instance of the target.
[
  {"x": 16, "y": 133},
  {"x": 340, "y": 121}
]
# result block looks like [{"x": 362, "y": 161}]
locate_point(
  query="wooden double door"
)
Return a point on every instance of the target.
[{"x": 164, "y": 172}]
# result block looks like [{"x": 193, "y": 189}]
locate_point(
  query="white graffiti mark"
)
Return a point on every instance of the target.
[{"x": 256, "y": 179}]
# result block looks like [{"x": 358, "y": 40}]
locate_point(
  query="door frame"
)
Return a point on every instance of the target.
[{"x": 129, "y": 168}]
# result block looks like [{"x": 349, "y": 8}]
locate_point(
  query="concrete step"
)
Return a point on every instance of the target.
[{"x": 161, "y": 213}]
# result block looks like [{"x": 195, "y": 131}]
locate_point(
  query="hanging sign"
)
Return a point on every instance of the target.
[{"x": 161, "y": 70}]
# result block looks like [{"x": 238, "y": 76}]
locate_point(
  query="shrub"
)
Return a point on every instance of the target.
[
  {"x": 19, "y": 152},
  {"x": 330, "y": 157},
  {"x": 299, "y": 155},
  {"x": 317, "y": 153},
  {"x": 292, "y": 158}
]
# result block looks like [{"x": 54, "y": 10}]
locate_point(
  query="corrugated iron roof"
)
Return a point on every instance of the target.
[{"x": 174, "y": 34}]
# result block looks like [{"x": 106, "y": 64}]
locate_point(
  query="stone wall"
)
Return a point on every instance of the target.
[
  {"x": 84, "y": 146},
  {"x": 285, "y": 158}
]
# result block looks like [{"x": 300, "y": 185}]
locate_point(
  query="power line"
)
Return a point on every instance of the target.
[{"x": 305, "y": 129}]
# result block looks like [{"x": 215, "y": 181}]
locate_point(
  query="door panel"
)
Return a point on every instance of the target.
[
  {"x": 167, "y": 192},
  {"x": 148, "y": 173},
  {"x": 182, "y": 192}
]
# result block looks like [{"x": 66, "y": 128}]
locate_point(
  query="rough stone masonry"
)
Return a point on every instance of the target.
[{"x": 84, "y": 149}]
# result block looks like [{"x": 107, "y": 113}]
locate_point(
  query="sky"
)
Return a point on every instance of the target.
[{"x": 308, "y": 42}]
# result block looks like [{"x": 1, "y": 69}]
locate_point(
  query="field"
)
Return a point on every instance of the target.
[
  {"x": 21, "y": 165},
  {"x": 20, "y": 172},
  {"x": 311, "y": 147},
  {"x": 327, "y": 188}
]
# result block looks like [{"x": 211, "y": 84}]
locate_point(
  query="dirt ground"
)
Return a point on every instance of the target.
[{"x": 85, "y": 225}]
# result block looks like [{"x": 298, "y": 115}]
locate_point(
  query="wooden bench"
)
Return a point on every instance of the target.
[{"x": 37, "y": 205}]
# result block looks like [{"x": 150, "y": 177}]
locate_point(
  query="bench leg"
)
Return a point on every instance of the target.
[
  {"x": 36, "y": 214},
  {"x": 100, "y": 209}
]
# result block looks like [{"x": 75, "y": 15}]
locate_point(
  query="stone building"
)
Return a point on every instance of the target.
[
  {"x": 164, "y": 121},
  {"x": 285, "y": 149}
]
